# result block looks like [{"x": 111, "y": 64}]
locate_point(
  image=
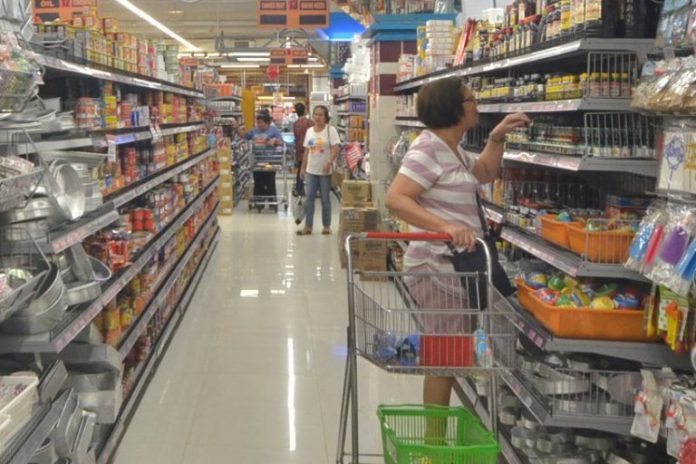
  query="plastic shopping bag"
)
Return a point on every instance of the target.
[{"x": 298, "y": 209}]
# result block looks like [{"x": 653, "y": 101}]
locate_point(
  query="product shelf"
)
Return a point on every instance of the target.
[
  {"x": 407, "y": 121},
  {"x": 166, "y": 285},
  {"x": 351, "y": 97},
  {"x": 493, "y": 212},
  {"x": 23, "y": 446},
  {"x": 641, "y": 166},
  {"x": 655, "y": 354},
  {"x": 102, "y": 138},
  {"x": 227, "y": 98},
  {"x": 352, "y": 113},
  {"x": 144, "y": 372},
  {"x": 566, "y": 50},
  {"x": 61, "y": 336},
  {"x": 65, "y": 237},
  {"x": 559, "y": 106},
  {"x": 566, "y": 261},
  {"x": 57, "y": 64}
]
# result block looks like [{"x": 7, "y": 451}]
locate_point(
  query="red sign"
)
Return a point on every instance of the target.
[
  {"x": 65, "y": 10},
  {"x": 273, "y": 72},
  {"x": 293, "y": 14},
  {"x": 289, "y": 55}
]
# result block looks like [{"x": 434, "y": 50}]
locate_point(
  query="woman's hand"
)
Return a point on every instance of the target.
[
  {"x": 462, "y": 236},
  {"x": 327, "y": 168},
  {"x": 508, "y": 124}
]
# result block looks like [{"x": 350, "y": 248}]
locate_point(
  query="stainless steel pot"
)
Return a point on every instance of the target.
[
  {"x": 25, "y": 231},
  {"x": 82, "y": 292},
  {"x": 38, "y": 323},
  {"x": 46, "y": 295},
  {"x": 66, "y": 190},
  {"x": 36, "y": 208},
  {"x": 101, "y": 271},
  {"x": 80, "y": 263}
]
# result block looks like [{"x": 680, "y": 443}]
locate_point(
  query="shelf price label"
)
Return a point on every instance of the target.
[{"x": 111, "y": 147}]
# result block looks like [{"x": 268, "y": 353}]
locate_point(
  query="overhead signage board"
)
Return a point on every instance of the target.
[
  {"x": 63, "y": 10},
  {"x": 293, "y": 14},
  {"x": 289, "y": 56}
]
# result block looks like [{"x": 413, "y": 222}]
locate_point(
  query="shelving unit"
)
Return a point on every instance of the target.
[
  {"x": 558, "y": 106},
  {"x": 644, "y": 167}
]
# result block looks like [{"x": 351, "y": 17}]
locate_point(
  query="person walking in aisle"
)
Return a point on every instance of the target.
[
  {"x": 323, "y": 146},
  {"x": 300, "y": 129},
  {"x": 436, "y": 190}
]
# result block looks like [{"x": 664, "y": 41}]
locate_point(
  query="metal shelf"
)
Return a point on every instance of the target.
[
  {"x": 23, "y": 445},
  {"x": 655, "y": 354},
  {"x": 558, "y": 106},
  {"x": 556, "y": 52},
  {"x": 351, "y": 97},
  {"x": 644, "y": 167},
  {"x": 71, "y": 234},
  {"x": 352, "y": 113},
  {"x": 612, "y": 424},
  {"x": 101, "y": 138},
  {"x": 227, "y": 98},
  {"x": 408, "y": 122},
  {"x": 145, "y": 370},
  {"x": 157, "y": 299},
  {"x": 565, "y": 260},
  {"x": 78, "y": 319},
  {"x": 493, "y": 212},
  {"x": 58, "y": 64}
]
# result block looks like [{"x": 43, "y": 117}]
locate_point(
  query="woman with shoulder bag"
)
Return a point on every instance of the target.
[
  {"x": 436, "y": 190},
  {"x": 322, "y": 145}
]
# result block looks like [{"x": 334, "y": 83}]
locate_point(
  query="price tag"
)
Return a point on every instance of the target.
[{"x": 111, "y": 147}]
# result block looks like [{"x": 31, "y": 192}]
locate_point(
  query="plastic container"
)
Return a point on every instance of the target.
[
  {"x": 447, "y": 350},
  {"x": 461, "y": 437},
  {"x": 600, "y": 247},
  {"x": 556, "y": 231},
  {"x": 585, "y": 323}
]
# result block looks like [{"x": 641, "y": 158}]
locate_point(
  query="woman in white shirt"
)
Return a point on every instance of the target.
[{"x": 322, "y": 145}]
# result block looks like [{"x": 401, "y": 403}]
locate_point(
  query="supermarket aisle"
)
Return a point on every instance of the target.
[{"x": 254, "y": 373}]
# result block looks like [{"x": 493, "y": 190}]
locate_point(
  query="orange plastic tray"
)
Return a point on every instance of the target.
[
  {"x": 585, "y": 323},
  {"x": 556, "y": 231},
  {"x": 600, "y": 247}
]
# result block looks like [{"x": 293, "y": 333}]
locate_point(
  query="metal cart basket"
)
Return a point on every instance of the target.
[
  {"x": 266, "y": 163},
  {"x": 423, "y": 324}
]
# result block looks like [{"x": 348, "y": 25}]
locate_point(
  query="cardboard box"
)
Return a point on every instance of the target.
[
  {"x": 225, "y": 211},
  {"x": 356, "y": 192},
  {"x": 359, "y": 219}
]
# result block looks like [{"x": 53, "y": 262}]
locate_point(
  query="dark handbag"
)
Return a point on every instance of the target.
[{"x": 474, "y": 262}]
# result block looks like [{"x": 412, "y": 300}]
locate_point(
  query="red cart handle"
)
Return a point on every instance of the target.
[{"x": 420, "y": 236}]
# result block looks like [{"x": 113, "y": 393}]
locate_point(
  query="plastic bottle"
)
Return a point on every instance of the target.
[{"x": 482, "y": 347}]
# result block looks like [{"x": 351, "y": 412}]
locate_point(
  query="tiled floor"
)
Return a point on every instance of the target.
[{"x": 255, "y": 372}]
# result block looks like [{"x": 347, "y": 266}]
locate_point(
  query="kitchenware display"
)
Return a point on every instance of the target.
[
  {"x": 39, "y": 322},
  {"x": 508, "y": 416},
  {"x": 20, "y": 277},
  {"x": 46, "y": 454},
  {"x": 82, "y": 292},
  {"x": 80, "y": 263},
  {"x": 36, "y": 230},
  {"x": 65, "y": 432},
  {"x": 46, "y": 295},
  {"x": 596, "y": 441},
  {"x": 101, "y": 271},
  {"x": 65, "y": 189},
  {"x": 35, "y": 209}
]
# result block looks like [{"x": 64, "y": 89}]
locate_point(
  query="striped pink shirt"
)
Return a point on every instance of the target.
[{"x": 450, "y": 193}]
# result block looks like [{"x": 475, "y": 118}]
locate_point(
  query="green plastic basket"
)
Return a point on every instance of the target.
[{"x": 423, "y": 434}]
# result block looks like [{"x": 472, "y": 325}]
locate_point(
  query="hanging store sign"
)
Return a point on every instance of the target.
[
  {"x": 64, "y": 10},
  {"x": 292, "y": 14},
  {"x": 286, "y": 56}
]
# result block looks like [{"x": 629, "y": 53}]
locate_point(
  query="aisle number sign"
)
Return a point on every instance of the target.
[
  {"x": 289, "y": 56},
  {"x": 64, "y": 10},
  {"x": 293, "y": 14}
]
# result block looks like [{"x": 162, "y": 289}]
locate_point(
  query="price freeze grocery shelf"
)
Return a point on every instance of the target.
[
  {"x": 102, "y": 138},
  {"x": 146, "y": 369},
  {"x": 351, "y": 97},
  {"x": 77, "y": 319},
  {"x": 565, "y": 260},
  {"x": 654, "y": 354},
  {"x": 642, "y": 46},
  {"x": 641, "y": 166},
  {"x": 493, "y": 212},
  {"x": 166, "y": 285},
  {"x": 60, "y": 239},
  {"x": 114, "y": 75},
  {"x": 557, "y": 106}
]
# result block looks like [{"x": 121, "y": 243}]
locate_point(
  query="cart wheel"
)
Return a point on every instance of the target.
[
  {"x": 250, "y": 207},
  {"x": 259, "y": 208},
  {"x": 274, "y": 208}
]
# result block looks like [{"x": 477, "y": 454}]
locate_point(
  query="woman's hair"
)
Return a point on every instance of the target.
[
  {"x": 300, "y": 109},
  {"x": 441, "y": 103},
  {"x": 327, "y": 116}
]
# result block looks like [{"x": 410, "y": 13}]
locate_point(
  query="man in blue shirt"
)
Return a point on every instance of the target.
[{"x": 264, "y": 133}]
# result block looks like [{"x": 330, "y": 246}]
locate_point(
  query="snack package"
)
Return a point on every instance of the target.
[
  {"x": 648, "y": 409},
  {"x": 654, "y": 217},
  {"x": 680, "y": 421},
  {"x": 678, "y": 234}
]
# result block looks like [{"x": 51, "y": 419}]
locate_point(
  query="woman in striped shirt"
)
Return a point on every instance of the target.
[{"x": 435, "y": 190}]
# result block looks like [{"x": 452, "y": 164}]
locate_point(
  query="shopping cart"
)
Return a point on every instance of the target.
[
  {"x": 266, "y": 163},
  {"x": 424, "y": 324}
]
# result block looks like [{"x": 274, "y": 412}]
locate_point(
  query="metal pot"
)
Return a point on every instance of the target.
[
  {"x": 25, "y": 231},
  {"x": 39, "y": 323},
  {"x": 66, "y": 190},
  {"x": 46, "y": 454},
  {"x": 82, "y": 292},
  {"x": 36, "y": 208},
  {"x": 80, "y": 263},
  {"x": 102, "y": 273},
  {"x": 47, "y": 294}
]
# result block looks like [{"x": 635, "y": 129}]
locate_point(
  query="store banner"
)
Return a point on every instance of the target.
[
  {"x": 64, "y": 10},
  {"x": 293, "y": 14}
]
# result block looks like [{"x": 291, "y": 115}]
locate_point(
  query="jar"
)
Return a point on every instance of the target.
[
  {"x": 578, "y": 15},
  {"x": 582, "y": 84},
  {"x": 566, "y": 17},
  {"x": 595, "y": 85},
  {"x": 606, "y": 84},
  {"x": 593, "y": 13},
  {"x": 625, "y": 85}
]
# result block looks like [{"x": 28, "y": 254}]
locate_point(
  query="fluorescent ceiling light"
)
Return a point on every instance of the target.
[
  {"x": 296, "y": 66},
  {"x": 249, "y": 54},
  {"x": 138, "y": 12},
  {"x": 312, "y": 59},
  {"x": 251, "y": 58},
  {"x": 176, "y": 12},
  {"x": 239, "y": 65}
]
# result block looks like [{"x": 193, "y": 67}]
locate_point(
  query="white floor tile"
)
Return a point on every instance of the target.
[{"x": 254, "y": 374}]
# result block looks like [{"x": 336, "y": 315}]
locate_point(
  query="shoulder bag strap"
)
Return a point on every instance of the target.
[{"x": 479, "y": 208}]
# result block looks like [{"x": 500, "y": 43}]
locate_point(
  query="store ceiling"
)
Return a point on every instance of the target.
[{"x": 199, "y": 22}]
